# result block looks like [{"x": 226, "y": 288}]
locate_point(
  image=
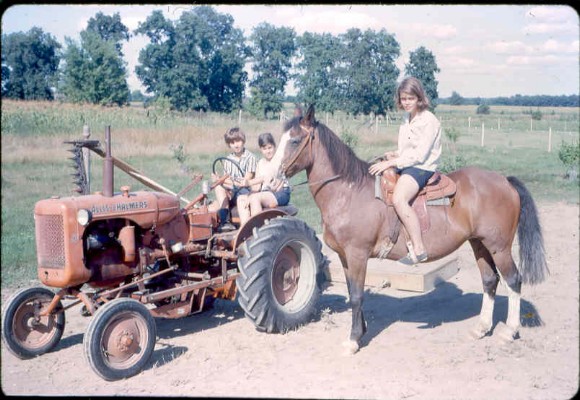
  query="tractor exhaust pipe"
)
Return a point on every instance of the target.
[{"x": 108, "y": 179}]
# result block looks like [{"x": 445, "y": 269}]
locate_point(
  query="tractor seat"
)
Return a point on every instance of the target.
[{"x": 289, "y": 209}]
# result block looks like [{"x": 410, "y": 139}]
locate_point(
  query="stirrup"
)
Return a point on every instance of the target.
[{"x": 410, "y": 260}]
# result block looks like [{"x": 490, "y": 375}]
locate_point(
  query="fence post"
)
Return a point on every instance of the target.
[
  {"x": 482, "y": 133},
  {"x": 550, "y": 140},
  {"x": 498, "y": 124},
  {"x": 531, "y": 124},
  {"x": 240, "y": 117},
  {"x": 87, "y": 158},
  {"x": 469, "y": 122}
]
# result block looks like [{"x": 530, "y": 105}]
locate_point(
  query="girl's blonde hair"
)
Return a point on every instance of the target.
[{"x": 413, "y": 86}]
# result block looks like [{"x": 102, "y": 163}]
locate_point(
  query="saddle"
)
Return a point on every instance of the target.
[{"x": 439, "y": 191}]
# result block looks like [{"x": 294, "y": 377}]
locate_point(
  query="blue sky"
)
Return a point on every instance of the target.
[{"x": 482, "y": 50}]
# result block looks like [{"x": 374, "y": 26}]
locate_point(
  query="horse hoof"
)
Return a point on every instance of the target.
[
  {"x": 504, "y": 333},
  {"x": 351, "y": 347},
  {"x": 478, "y": 332}
]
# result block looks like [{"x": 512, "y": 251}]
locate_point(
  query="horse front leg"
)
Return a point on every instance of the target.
[{"x": 355, "y": 270}]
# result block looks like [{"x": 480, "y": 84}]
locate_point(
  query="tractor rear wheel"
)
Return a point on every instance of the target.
[
  {"x": 120, "y": 339},
  {"x": 25, "y": 332},
  {"x": 282, "y": 275}
]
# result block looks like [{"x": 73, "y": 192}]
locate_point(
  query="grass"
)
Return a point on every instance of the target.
[{"x": 35, "y": 166}]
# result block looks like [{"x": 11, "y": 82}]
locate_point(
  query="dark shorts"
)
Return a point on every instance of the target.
[
  {"x": 420, "y": 176},
  {"x": 283, "y": 196},
  {"x": 237, "y": 191}
]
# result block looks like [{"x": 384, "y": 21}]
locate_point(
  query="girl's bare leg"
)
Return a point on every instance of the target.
[{"x": 405, "y": 190}]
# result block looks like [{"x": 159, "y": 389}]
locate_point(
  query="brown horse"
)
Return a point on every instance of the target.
[{"x": 487, "y": 210}]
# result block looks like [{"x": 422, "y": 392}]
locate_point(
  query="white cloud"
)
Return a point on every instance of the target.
[
  {"x": 551, "y": 20},
  {"x": 505, "y": 47},
  {"x": 334, "y": 22},
  {"x": 544, "y": 60}
]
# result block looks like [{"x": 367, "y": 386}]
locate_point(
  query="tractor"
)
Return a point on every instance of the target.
[{"x": 129, "y": 257}]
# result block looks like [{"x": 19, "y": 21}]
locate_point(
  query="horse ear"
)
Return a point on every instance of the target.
[{"x": 309, "y": 119}]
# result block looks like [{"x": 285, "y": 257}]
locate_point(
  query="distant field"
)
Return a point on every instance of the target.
[{"x": 35, "y": 165}]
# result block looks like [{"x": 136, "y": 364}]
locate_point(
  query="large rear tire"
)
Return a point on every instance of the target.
[
  {"x": 27, "y": 334},
  {"x": 282, "y": 275},
  {"x": 120, "y": 339}
]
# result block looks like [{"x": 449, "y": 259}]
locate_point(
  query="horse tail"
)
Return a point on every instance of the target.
[{"x": 533, "y": 266}]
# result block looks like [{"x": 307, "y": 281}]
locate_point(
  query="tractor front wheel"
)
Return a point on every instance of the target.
[
  {"x": 120, "y": 339},
  {"x": 25, "y": 332},
  {"x": 282, "y": 275}
]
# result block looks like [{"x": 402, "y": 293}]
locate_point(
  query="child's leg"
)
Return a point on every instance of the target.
[
  {"x": 260, "y": 200},
  {"x": 243, "y": 207}
]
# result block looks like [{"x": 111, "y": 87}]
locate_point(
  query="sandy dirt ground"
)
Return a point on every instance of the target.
[{"x": 417, "y": 345}]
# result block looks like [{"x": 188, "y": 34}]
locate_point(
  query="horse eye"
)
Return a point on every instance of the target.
[{"x": 295, "y": 141}]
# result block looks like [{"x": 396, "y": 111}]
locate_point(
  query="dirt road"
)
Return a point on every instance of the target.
[{"x": 417, "y": 345}]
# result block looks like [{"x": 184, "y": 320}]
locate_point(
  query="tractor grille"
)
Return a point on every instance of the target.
[{"x": 50, "y": 241}]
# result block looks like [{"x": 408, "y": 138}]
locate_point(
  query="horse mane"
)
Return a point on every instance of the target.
[{"x": 343, "y": 160}]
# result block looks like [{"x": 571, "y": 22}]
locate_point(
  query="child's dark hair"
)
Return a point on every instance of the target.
[
  {"x": 266, "y": 138},
  {"x": 234, "y": 134}
]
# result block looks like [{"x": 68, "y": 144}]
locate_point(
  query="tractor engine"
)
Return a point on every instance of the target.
[{"x": 98, "y": 240}]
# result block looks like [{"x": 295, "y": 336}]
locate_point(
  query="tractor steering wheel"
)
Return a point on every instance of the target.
[{"x": 218, "y": 167}]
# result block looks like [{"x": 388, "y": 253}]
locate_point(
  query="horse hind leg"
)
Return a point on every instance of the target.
[
  {"x": 490, "y": 280},
  {"x": 513, "y": 280}
]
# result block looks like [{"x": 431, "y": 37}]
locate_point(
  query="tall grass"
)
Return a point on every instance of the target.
[{"x": 35, "y": 166}]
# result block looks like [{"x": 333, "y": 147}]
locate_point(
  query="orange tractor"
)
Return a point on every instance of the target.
[{"x": 127, "y": 257}]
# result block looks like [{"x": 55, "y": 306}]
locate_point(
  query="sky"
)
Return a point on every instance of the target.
[{"x": 481, "y": 50}]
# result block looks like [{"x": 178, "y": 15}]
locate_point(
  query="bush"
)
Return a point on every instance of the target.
[
  {"x": 482, "y": 109},
  {"x": 569, "y": 154},
  {"x": 452, "y": 163},
  {"x": 350, "y": 139}
]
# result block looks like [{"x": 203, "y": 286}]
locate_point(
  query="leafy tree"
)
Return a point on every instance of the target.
[
  {"x": 317, "y": 79},
  {"x": 272, "y": 50},
  {"x": 569, "y": 154},
  {"x": 109, "y": 28},
  {"x": 94, "y": 72},
  {"x": 482, "y": 109},
  {"x": 423, "y": 66},
  {"x": 456, "y": 99},
  {"x": 29, "y": 65},
  {"x": 367, "y": 73},
  {"x": 196, "y": 62}
]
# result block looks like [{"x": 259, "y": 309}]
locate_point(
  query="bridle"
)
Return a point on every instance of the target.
[
  {"x": 306, "y": 142},
  {"x": 309, "y": 138}
]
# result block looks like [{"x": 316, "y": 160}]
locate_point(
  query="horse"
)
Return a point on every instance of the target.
[{"x": 487, "y": 210}]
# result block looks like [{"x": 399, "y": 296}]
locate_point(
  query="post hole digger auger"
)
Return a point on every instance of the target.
[{"x": 127, "y": 257}]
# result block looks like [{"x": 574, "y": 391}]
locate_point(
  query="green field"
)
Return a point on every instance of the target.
[{"x": 35, "y": 165}]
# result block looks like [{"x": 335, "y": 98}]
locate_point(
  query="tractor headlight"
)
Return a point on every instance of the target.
[{"x": 83, "y": 217}]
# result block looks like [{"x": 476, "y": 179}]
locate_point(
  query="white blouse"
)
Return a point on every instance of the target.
[{"x": 420, "y": 142}]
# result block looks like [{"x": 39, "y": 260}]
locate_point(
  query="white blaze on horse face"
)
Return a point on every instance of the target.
[{"x": 279, "y": 155}]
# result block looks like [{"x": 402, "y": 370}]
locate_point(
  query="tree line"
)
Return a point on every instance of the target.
[
  {"x": 518, "y": 100},
  {"x": 198, "y": 62}
]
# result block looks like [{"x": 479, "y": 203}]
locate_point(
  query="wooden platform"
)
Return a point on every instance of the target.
[{"x": 381, "y": 273}]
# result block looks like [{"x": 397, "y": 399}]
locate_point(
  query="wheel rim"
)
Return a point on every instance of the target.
[
  {"x": 32, "y": 332},
  {"x": 124, "y": 340},
  {"x": 293, "y": 276}
]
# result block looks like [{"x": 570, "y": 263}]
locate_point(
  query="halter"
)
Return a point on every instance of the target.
[{"x": 309, "y": 138}]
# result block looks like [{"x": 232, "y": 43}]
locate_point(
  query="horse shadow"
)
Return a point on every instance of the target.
[{"x": 444, "y": 304}]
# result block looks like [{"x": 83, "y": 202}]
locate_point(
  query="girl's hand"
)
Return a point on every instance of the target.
[{"x": 379, "y": 167}]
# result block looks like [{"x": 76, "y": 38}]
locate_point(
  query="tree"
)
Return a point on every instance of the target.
[
  {"x": 272, "y": 50},
  {"x": 29, "y": 65},
  {"x": 94, "y": 72},
  {"x": 317, "y": 80},
  {"x": 367, "y": 73},
  {"x": 196, "y": 62},
  {"x": 109, "y": 28},
  {"x": 423, "y": 66},
  {"x": 456, "y": 99}
]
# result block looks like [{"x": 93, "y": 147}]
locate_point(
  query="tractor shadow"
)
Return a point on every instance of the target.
[{"x": 444, "y": 304}]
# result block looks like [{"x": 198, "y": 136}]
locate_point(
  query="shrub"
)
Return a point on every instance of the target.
[
  {"x": 482, "y": 109},
  {"x": 349, "y": 138},
  {"x": 569, "y": 154}
]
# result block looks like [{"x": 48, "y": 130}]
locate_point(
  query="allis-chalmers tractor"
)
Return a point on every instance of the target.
[{"x": 128, "y": 257}]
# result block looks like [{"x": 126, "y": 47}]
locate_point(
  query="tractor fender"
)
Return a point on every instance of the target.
[{"x": 255, "y": 221}]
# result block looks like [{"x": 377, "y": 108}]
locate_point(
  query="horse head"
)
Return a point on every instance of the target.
[{"x": 298, "y": 151}]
